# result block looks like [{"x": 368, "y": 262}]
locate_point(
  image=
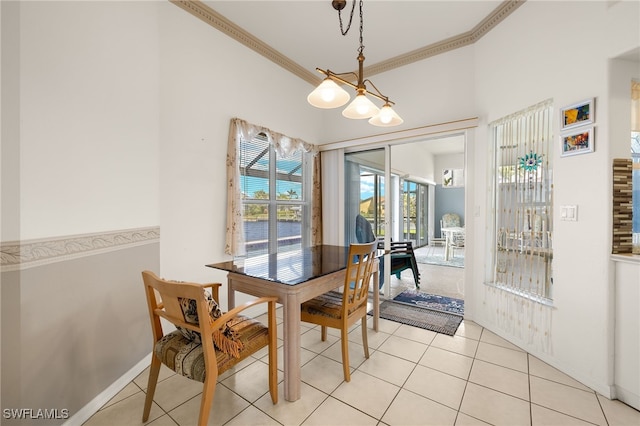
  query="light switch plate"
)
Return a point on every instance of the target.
[{"x": 569, "y": 213}]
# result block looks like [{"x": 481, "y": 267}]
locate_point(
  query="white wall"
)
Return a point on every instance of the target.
[
  {"x": 207, "y": 79},
  {"x": 413, "y": 159},
  {"x": 79, "y": 156},
  {"x": 88, "y": 118},
  {"x": 10, "y": 136},
  {"x": 534, "y": 55}
]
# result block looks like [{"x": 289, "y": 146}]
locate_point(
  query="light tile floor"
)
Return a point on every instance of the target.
[{"x": 412, "y": 377}]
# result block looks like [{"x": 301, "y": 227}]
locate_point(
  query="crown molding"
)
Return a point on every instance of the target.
[
  {"x": 18, "y": 255},
  {"x": 219, "y": 22},
  {"x": 498, "y": 15},
  {"x": 434, "y": 49},
  {"x": 452, "y": 43}
]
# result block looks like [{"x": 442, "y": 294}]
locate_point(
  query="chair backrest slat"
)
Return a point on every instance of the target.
[
  {"x": 358, "y": 276},
  {"x": 163, "y": 297}
]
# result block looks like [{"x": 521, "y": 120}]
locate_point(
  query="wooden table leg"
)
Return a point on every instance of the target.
[
  {"x": 231, "y": 295},
  {"x": 292, "y": 343},
  {"x": 376, "y": 298}
]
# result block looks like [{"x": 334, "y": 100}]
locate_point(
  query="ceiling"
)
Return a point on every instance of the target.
[{"x": 307, "y": 33}]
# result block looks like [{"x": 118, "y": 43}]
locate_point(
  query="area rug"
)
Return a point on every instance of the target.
[
  {"x": 440, "y": 322},
  {"x": 431, "y": 301},
  {"x": 457, "y": 261}
]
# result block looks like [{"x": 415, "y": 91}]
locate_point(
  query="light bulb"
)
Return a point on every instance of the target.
[
  {"x": 386, "y": 118},
  {"x": 361, "y": 107},
  {"x": 328, "y": 95}
]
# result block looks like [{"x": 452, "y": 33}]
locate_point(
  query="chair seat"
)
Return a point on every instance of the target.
[
  {"x": 186, "y": 357},
  {"x": 328, "y": 304}
]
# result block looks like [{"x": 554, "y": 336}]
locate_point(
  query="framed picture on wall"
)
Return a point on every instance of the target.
[
  {"x": 452, "y": 178},
  {"x": 579, "y": 141},
  {"x": 578, "y": 114}
]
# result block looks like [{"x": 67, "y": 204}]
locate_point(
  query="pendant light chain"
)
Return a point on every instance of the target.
[
  {"x": 353, "y": 8},
  {"x": 330, "y": 95},
  {"x": 344, "y": 32},
  {"x": 361, "y": 28}
]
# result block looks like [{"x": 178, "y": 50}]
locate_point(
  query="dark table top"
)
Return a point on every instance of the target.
[{"x": 290, "y": 267}]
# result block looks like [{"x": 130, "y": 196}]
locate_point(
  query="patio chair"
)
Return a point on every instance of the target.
[{"x": 400, "y": 252}]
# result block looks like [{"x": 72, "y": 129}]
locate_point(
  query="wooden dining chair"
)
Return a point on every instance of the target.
[
  {"x": 202, "y": 350},
  {"x": 341, "y": 310}
]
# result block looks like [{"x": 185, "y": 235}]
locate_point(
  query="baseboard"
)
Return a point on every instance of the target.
[
  {"x": 105, "y": 396},
  {"x": 628, "y": 397}
]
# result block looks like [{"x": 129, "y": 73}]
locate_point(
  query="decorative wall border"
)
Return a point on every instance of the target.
[
  {"x": 200, "y": 10},
  {"x": 18, "y": 255}
]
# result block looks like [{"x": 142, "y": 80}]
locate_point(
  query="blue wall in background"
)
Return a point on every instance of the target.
[{"x": 448, "y": 200}]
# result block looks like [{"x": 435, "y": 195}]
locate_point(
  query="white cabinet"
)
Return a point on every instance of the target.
[{"x": 627, "y": 332}]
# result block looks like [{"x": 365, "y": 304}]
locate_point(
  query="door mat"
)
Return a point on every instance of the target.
[
  {"x": 431, "y": 301},
  {"x": 440, "y": 322}
]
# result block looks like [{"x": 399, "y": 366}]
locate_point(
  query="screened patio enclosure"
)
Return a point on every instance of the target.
[{"x": 407, "y": 208}]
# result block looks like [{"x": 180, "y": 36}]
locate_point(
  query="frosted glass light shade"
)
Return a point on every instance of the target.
[
  {"x": 360, "y": 107},
  {"x": 387, "y": 117},
  {"x": 328, "y": 95}
]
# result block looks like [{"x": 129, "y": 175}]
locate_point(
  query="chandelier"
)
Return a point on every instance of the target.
[{"x": 330, "y": 95}]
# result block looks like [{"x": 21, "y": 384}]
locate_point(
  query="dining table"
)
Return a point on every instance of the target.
[{"x": 293, "y": 276}]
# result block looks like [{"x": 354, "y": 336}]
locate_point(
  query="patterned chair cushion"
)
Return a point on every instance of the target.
[
  {"x": 450, "y": 220},
  {"x": 328, "y": 304},
  {"x": 186, "y": 357},
  {"x": 224, "y": 339}
]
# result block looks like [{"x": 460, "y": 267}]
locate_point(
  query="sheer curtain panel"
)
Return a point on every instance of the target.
[
  {"x": 285, "y": 147},
  {"x": 521, "y": 276}
]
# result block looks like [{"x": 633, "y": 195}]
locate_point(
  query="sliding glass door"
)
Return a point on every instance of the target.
[
  {"x": 415, "y": 212},
  {"x": 365, "y": 192}
]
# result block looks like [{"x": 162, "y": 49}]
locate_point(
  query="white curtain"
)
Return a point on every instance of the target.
[
  {"x": 521, "y": 317},
  {"x": 284, "y": 147},
  {"x": 519, "y": 295},
  {"x": 234, "y": 242}
]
